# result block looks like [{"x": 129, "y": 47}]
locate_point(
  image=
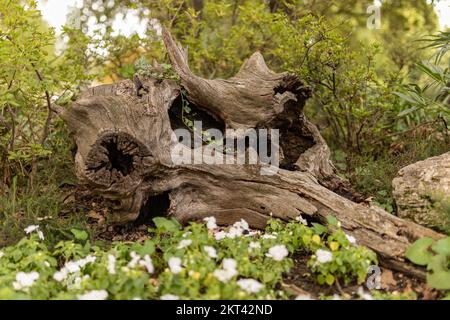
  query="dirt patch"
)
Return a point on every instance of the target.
[{"x": 301, "y": 281}]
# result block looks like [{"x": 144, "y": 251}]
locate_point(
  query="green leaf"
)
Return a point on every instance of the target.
[
  {"x": 418, "y": 252},
  {"x": 329, "y": 279},
  {"x": 166, "y": 225},
  {"x": 79, "y": 234},
  {"x": 439, "y": 280},
  {"x": 332, "y": 220},
  {"x": 318, "y": 228},
  {"x": 147, "y": 248},
  {"x": 442, "y": 247},
  {"x": 407, "y": 111},
  {"x": 406, "y": 98}
]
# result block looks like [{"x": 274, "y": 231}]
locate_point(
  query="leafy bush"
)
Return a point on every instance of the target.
[{"x": 189, "y": 263}]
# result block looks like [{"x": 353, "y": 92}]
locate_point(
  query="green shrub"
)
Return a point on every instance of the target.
[{"x": 189, "y": 263}]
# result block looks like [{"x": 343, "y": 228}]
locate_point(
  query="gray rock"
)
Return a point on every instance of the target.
[{"x": 417, "y": 184}]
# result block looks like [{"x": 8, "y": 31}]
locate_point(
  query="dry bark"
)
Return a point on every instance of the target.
[{"x": 124, "y": 134}]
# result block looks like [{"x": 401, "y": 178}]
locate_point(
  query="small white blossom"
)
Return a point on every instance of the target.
[
  {"x": 186, "y": 234},
  {"x": 88, "y": 259},
  {"x": 60, "y": 275},
  {"x": 278, "y": 252},
  {"x": 229, "y": 264},
  {"x": 350, "y": 239},
  {"x": 268, "y": 236},
  {"x": 94, "y": 295},
  {"x": 228, "y": 270},
  {"x": 364, "y": 295},
  {"x": 324, "y": 256},
  {"x": 224, "y": 275},
  {"x": 242, "y": 224},
  {"x": 303, "y": 297},
  {"x": 147, "y": 263},
  {"x": 234, "y": 232},
  {"x": 211, "y": 251},
  {"x": 169, "y": 297},
  {"x": 175, "y": 265},
  {"x": 1, "y": 254},
  {"x": 134, "y": 260},
  {"x": 31, "y": 229},
  {"x": 301, "y": 220},
  {"x": 47, "y": 264},
  {"x": 25, "y": 280},
  {"x": 220, "y": 235},
  {"x": 40, "y": 235},
  {"x": 184, "y": 243},
  {"x": 254, "y": 245},
  {"x": 72, "y": 266},
  {"x": 250, "y": 285},
  {"x": 111, "y": 264},
  {"x": 210, "y": 223}
]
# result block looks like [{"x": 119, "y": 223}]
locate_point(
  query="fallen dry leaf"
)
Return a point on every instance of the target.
[
  {"x": 96, "y": 216},
  {"x": 387, "y": 279}
]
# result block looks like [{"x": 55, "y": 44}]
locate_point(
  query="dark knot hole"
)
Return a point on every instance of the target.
[{"x": 118, "y": 159}]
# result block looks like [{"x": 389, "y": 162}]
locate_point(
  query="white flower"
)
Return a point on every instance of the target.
[
  {"x": 350, "y": 239},
  {"x": 175, "y": 265},
  {"x": 147, "y": 263},
  {"x": 210, "y": 222},
  {"x": 184, "y": 243},
  {"x": 278, "y": 252},
  {"x": 303, "y": 297},
  {"x": 40, "y": 235},
  {"x": 242, "y": 224},
  {"x": 364, "y": 295},
  {"x": 224, "y": 275},
  {"x": 134, "y": 260},
  {"x": 229, "y": 264},
  {"x": 111, "y": 264},
  {"x": 254, "y": 245},
  {"x": 250, "y": 285},
  {"x": 72, "y": 266},
  {"x": 301, "y": 220},
  {"x": 25, "y": 280},
  {"x": 324, "y": 256},
  {"x": 220, "y": 235},
  {"x": 169, "y": 297},
  {"x": 268, "y": 236},
  {"x": 186, "y": 234},
  {"x": 60, "y": 275},
  {"x": 234, "y": 232},
  {"x": 212, "y": 253},
  {"x": 83, "y": 262},
  {"x": 228, "y": 270},
  {"x": 1, "y": 254},
  {"x": 31, "y": 229},
  {"x": 94, "y": 295}
]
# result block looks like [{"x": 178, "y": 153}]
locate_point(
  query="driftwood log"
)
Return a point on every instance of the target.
[{"x": 124, "y": 134}]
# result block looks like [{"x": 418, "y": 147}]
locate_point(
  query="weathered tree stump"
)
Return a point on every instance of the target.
[{"x": 124, "y": 134}]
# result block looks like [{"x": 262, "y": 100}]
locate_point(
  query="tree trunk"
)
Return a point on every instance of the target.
[{"x": 125, "y": 134}]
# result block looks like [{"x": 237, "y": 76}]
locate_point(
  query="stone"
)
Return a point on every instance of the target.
[{"x": 417, "y": 187}]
